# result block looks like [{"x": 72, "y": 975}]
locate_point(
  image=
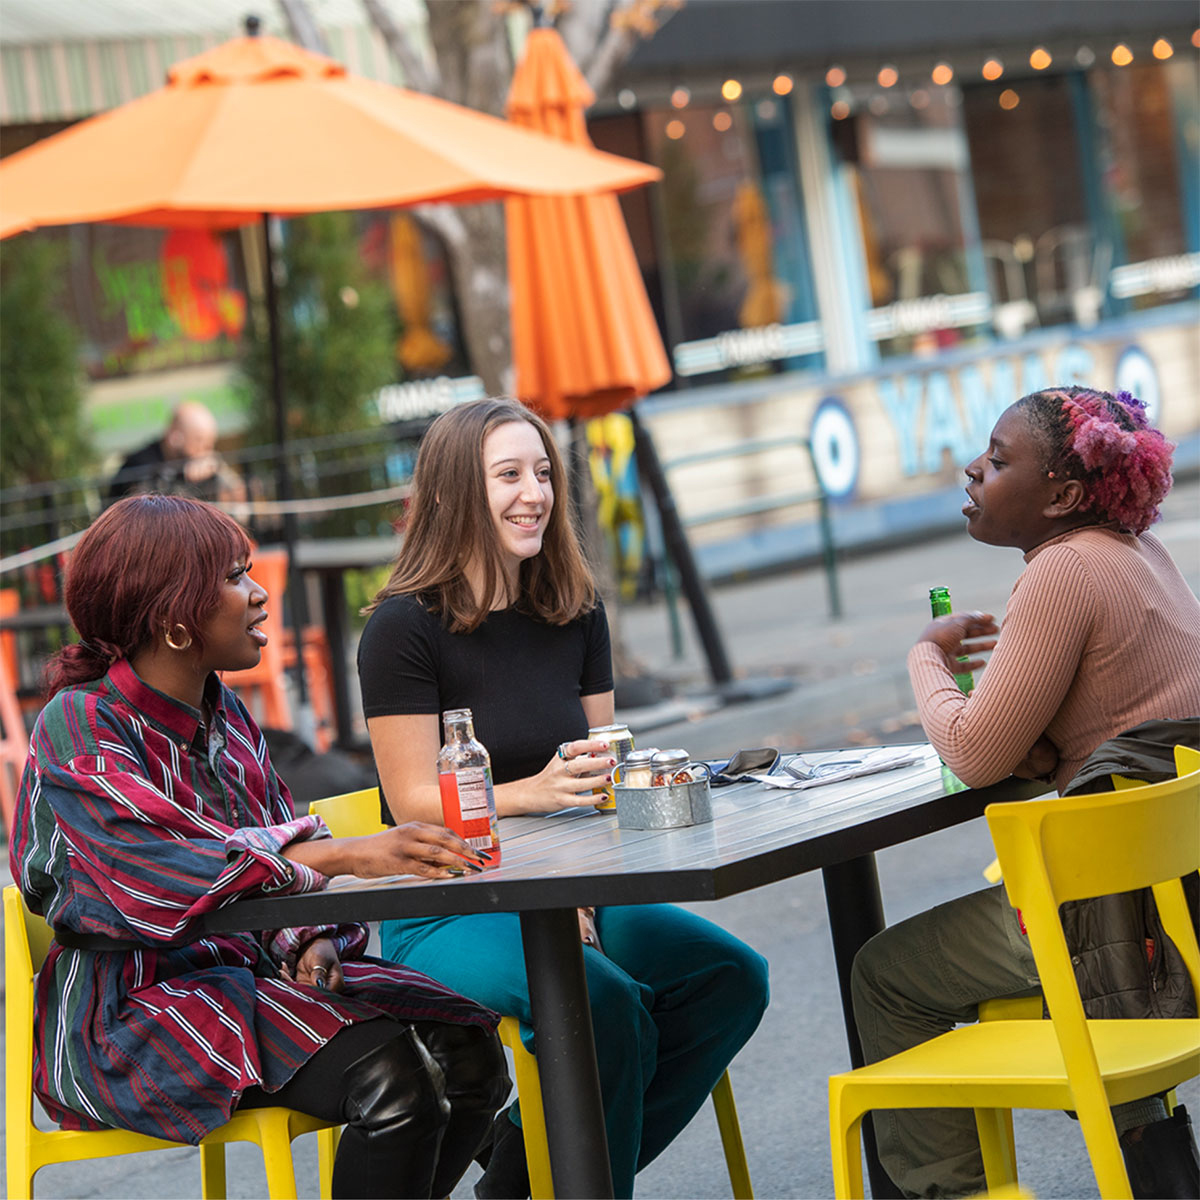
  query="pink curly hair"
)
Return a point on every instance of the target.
[{"x": 1106, "y": 443}]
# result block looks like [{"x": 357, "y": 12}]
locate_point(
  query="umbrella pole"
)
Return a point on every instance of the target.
[
  {"x": 680, "y": 551},
  {"x": 297, "y": 606}
]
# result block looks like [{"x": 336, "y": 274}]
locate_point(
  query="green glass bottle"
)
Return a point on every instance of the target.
[{"x": 939, "y": 602}]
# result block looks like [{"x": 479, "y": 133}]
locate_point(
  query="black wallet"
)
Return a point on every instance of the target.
[{"x": 743, "y": 764}]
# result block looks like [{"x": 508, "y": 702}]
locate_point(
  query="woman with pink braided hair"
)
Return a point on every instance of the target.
[{"x": 1100, "y": 648}]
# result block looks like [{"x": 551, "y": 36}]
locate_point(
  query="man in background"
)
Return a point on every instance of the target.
[{"x": 183, "y": 461}]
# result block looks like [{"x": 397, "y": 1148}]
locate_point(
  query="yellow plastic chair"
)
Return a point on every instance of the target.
[
  {"x": 992, "y": 872},
  {"x": 27, "y": 940},
  {"x": 1063, "y": 848},
  {"x": 357, "y": 813}
]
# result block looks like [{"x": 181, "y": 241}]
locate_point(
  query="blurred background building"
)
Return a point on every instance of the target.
[{"x": 880, "y": 222}]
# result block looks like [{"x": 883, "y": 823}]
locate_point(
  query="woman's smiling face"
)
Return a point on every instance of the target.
[{"x": 520, "y": 495}]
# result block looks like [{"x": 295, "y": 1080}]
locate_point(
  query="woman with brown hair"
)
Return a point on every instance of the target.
[
  {"x": 148, "y": 801},
  {"x": 491, "y": 607}
]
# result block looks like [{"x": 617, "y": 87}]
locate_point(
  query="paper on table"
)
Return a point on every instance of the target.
[{"x": 845, "y": 766}]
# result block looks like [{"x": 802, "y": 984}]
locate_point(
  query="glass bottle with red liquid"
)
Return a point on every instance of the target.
[{"x": 465, "y": 782}]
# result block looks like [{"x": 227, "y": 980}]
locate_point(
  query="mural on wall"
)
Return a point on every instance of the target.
[
  {"x": 899, "y": 439},
  {"x": 150, "y": 300}
]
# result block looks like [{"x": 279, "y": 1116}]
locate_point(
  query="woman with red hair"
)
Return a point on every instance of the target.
[
  {"x": 149, "y": 800},
  {"x": 1099, "y": 653}
]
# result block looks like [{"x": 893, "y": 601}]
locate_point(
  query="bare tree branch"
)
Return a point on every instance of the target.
[
  {"x": 420, "y": 74},
  {"x": 614, "y": 49},
  {"x": 445, "y": 221},
  {"x": 616, "y": 40},
  {"x": 304, "y": 30}
]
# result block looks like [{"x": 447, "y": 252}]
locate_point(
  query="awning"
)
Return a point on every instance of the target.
[
  {"x": 727, "y": 35},
  {"x": 66, "y": 80}
]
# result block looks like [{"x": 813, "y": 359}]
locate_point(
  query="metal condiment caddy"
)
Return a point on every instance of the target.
[{"x": 662, "y": 789}]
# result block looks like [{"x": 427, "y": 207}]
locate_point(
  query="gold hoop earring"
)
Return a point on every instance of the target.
[{"x": 178, "y": 645}]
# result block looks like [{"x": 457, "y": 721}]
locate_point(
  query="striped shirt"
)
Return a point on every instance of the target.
[
  {"x": 134, "y": 821},
  {"x": 1101, "y": 633}
]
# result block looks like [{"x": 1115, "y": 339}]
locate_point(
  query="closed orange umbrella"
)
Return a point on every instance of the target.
[
  {"x": 259, "y": 125},
  {"x": 585, "y": 341}
]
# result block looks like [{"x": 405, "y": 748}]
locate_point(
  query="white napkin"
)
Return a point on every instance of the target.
[{"x": 846, "y": 765}]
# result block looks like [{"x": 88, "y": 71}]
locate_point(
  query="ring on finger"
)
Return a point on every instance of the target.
[{"x": 562, "y": 750}]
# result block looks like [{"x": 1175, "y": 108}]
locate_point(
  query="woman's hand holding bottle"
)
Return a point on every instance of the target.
[
  {"x": 961, "y": 636},
  {"x": 414, "y": 848}
]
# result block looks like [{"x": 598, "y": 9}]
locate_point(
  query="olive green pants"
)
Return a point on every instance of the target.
[{"x": 918, "y": 979}]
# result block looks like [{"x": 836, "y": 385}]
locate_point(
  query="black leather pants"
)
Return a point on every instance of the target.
[{"x": 417, "y": 1104}]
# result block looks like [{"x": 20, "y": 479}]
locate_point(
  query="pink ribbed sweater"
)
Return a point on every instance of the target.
[{"x": 1101, "y": 633}]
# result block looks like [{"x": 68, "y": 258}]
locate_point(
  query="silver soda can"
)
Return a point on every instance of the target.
[{"x": 619, "y": 741}]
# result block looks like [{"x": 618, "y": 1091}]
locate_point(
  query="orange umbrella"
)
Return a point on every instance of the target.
[
  {"x": 259, "y": 125},
  {"x": 584, "y": 337},
  {"x": 11, "y": 223}
]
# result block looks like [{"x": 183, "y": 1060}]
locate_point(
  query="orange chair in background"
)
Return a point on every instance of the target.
[
  {"x": 318, "y": 674},
  {"x": 14, "y": 744},
  {"x": 10, "y": 605},
  {"x": 263, "y": 688}
]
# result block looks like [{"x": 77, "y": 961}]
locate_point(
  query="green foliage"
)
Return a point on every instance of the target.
[
  {"x": 362, "y": 586},
  {"x": 338, "y": 330},
  {"x": 42, "y": 434}
]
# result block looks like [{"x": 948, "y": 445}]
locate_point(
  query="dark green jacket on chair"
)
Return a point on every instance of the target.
[{"x": 1125, "y": 964}]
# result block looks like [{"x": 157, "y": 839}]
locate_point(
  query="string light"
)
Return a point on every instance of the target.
[
  {"x": 626, "y": 98},
  {"x": 888, "y": 76},
  {"x": 1196, "y": 38}
]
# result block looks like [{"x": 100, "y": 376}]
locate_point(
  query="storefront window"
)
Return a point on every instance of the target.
[
  {"x": 1082, "y": 185},
  {"x": 911, "y": 178},
  {"x": 1146, "y": 117},
  {"x": 738, "y": 288},
  {"x": 1030, "y": 169}
]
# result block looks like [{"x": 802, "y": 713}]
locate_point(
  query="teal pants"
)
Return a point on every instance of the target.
[
  {"x": 916, "y": 980},
  {"x": 673, "y": 999}
]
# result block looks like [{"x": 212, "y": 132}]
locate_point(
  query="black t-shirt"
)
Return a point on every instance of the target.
[{"x": 521, "y": 678}]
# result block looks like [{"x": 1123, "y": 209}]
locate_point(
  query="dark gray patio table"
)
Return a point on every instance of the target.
[{"x": 551, "y": 865}]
